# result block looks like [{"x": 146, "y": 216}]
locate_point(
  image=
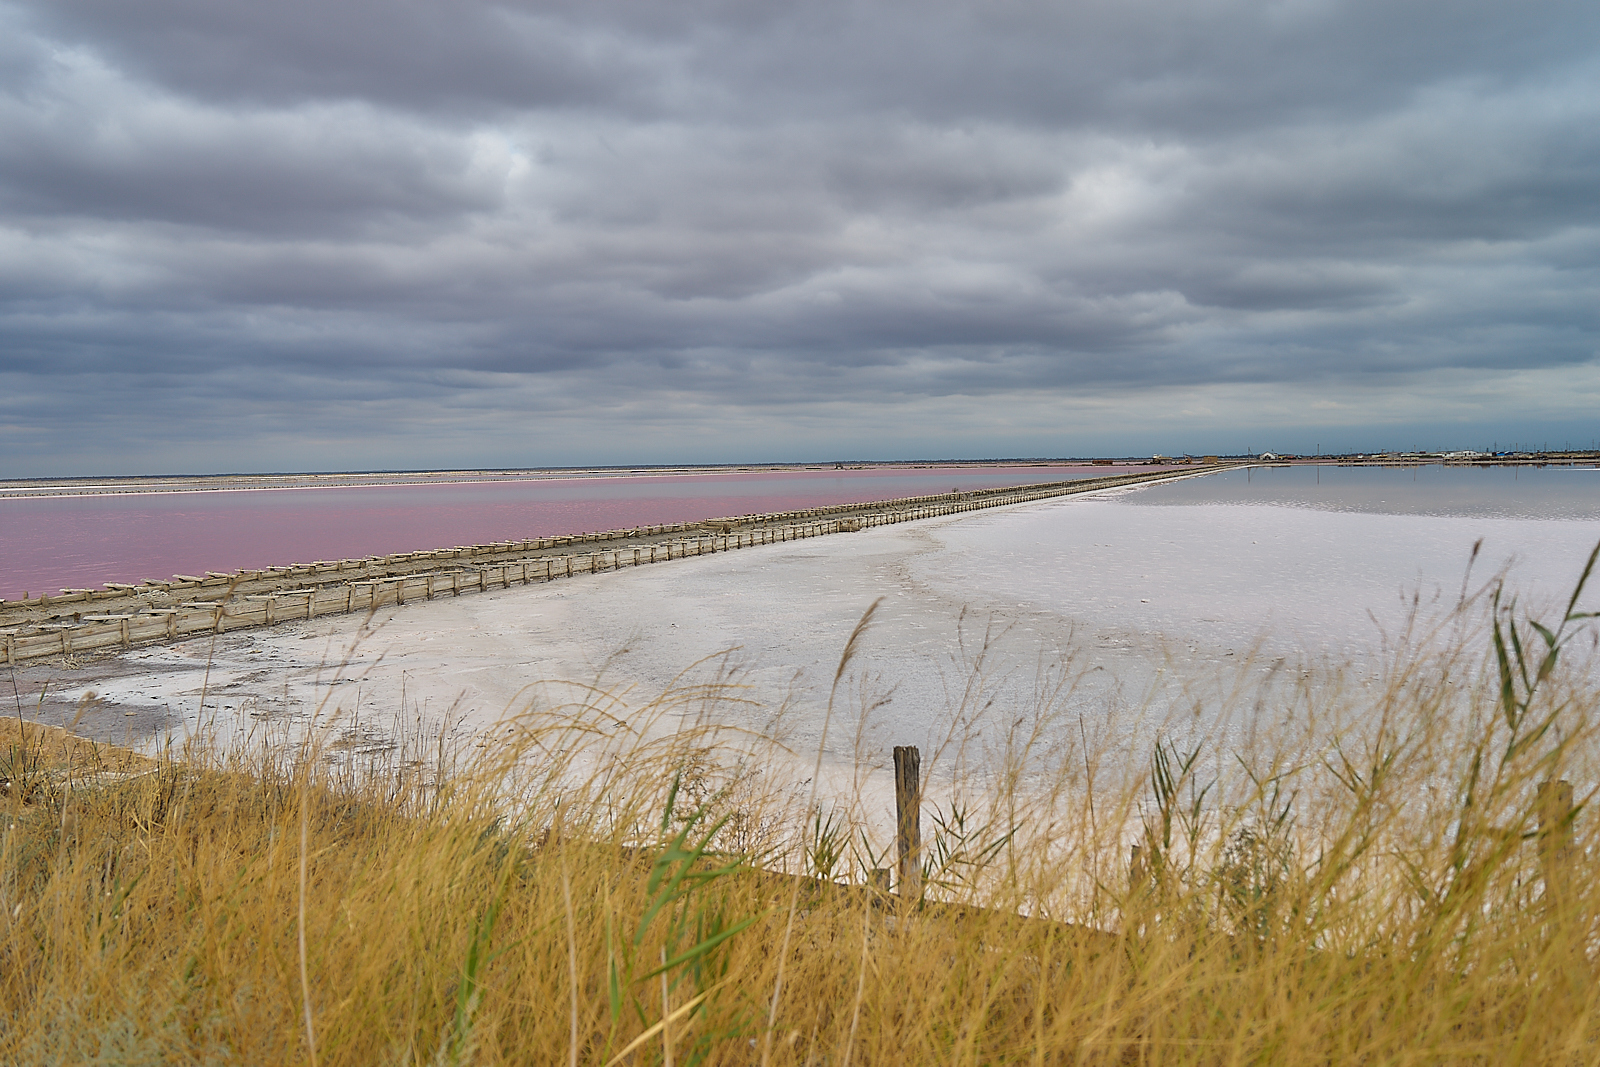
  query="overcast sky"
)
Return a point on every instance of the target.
[{"x": 349, "y": 234}]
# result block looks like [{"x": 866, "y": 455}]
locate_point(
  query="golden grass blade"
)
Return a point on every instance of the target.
[
  {"x": 645, "y": 1037},
  {"x": 572, "y": 958},
  {"x": 305, "y": 973}
]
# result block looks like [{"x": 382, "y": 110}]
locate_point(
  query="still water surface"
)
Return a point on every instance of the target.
[
  {"x": 47, "y": 543},
  {"x": 1313, "y": 562},
  {"x": 1563, "y": 493}
]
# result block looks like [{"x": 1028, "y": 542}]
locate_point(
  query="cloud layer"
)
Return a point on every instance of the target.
[{"x": 356, "y": 234}]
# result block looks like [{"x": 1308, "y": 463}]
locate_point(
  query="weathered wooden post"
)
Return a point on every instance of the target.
[
  {"x": 908, "y": 818},
  {"x": 1554, "y": 801}
]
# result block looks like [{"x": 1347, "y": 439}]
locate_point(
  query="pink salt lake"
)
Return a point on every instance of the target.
[{"x": 50, "y": 542}]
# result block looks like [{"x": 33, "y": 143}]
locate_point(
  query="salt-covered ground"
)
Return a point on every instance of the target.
[{"x": 1136, "y": 602}]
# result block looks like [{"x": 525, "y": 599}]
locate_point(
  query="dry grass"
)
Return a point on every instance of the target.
[
  {"x": 38, "y": 762},
  {"x": 1376, "y": 887}
]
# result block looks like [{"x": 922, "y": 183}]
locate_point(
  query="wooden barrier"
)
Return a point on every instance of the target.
[
  {"x": 1553, "y": 801},
  {"x": 218, "y": 602},
  {"x": 908, "y": 819}
]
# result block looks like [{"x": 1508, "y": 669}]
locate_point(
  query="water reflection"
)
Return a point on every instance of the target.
[
  {"x": 1497, "y": 492},
  {"x": 47, "y": 543}
]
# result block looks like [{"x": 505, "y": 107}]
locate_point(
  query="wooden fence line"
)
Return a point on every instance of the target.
[{"x": 224, "y": 602}]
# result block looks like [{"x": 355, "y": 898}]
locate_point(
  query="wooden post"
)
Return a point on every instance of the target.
[
  {"x": 1554, "y": 800},
  {"x": 908, "y": 818},
  {"x": 1138, "y": 872}
]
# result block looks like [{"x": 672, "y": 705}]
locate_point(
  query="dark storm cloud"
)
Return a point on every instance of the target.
[
  {"x": 415, "y": 55},
  {"x": 429, "y": 233},
  {"x": 274, "y": 181},
  {"x": 1131, "y": 62}
]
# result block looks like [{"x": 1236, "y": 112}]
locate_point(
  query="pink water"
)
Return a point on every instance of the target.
[{"x": 47, "y": 543}]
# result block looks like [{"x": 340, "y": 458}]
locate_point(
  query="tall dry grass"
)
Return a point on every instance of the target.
[{"x": 1391, "y": 877}]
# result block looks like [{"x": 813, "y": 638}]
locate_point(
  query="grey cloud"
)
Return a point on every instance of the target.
[
  {"x": 1138, "y": 62},
  {"x": 1460, "y": 167},
  {"x": 659, "y": 214},
  {"x": 319, "y": 171},
  {"x": 419, "y": 56}
]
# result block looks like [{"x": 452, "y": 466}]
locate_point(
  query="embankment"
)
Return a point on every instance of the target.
[{"x": 123, "y": 615}]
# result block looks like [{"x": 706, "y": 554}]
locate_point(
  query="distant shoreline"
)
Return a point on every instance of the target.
[
  {"x": 26, "y": 488},
  {"x": 193, "y": 483}
]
